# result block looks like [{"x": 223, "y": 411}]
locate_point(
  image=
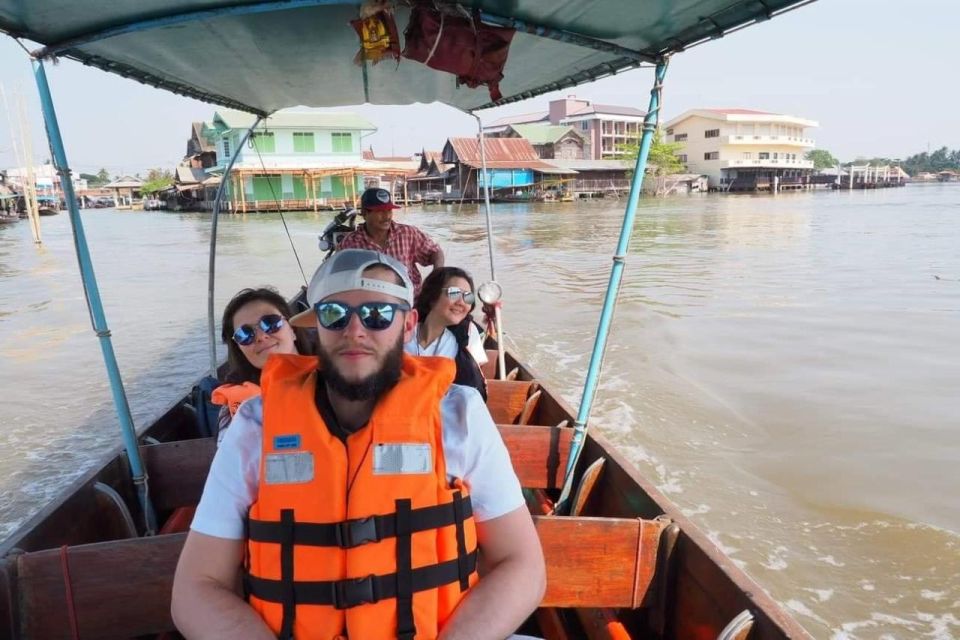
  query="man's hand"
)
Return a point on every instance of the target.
[
  {"x": 511, "y": 586},
  {"x": 205, "y": 603}
]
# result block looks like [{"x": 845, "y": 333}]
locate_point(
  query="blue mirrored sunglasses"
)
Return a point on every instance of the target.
[
  {"x": 245, "y": 334},
  {"x": 375, "y": 316},
  {"x": 456, "y": 292}
]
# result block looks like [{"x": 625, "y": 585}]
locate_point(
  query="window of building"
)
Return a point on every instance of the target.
[
  {"x": 682, "y": 157},
  {"x": 711, "y": 155},
  {"x": 776, "y": 156},
  {"x": 263, "y": 142},
  {"x": 226, "y": 149},
  {"x": 584, "y": 125},
  {"x": 764, "y": 155},
  {"x": 670, "y": 131},
  {"x": 303, "y": 142},
  {"x": 711, "y": 133},
  {"x": 680, "y": 137},
  {"x": 747, "y": 155},
  {"x": 342, "y": 142}
]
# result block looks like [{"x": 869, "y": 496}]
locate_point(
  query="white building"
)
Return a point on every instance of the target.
[{"x": 743, "y": 149}]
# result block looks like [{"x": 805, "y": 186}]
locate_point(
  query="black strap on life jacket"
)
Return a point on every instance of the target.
[
  {"x": 352, "y": 592},
  {"x": 460, "y": 505},
  {"x": 353, "y": 533},
  {"x": 286, "y": 574},
  {"x": 406, "y": 627}
]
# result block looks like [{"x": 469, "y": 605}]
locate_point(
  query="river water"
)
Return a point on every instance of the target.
[{"x": 785, "y": 368}]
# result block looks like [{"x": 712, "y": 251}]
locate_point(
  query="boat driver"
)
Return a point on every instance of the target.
[
  {"x": 351, "y": 498},
  {"x": 379, "y": 232}
]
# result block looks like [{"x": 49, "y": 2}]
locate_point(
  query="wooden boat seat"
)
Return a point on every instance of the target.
[
  {"x": 121, "y": 588},
  {"x": 508, "y": 403},
  {"x": 178, "y": 470}
]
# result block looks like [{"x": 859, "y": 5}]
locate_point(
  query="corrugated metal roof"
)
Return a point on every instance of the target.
[
  {"x": 467, "y": 150},
  {"x": 296, "y": 119},
  {"x": 524, "y": 118},
  {"x": 190, "y": 175}
]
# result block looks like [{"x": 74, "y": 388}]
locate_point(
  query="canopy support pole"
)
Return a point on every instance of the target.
[
  {"x": 94, "y": 305},
  {"x": 501, "y": 359},
  {"x": 212, "y": 269},
  {"x": 613, "y": 287}
]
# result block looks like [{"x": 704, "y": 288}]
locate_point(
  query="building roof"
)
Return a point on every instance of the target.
[
  {"x": 606, "y": 109},
  {"x": 742, "y": 115},
  {"x": 743, "y": 112},
  {"x": 190, "y": 175},
  {"x": 538, "y": 133},
  {"x": 126, "y": 182},
  {"x": 287, "y": 119},
  {"x": 523, "y": 118},
  {"x": 502, "y": 153},
  {"x": 201, "y": 139}
]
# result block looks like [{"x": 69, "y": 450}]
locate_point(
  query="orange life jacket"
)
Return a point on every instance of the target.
[
  {"x": 366, "y": 539},
  {"x": 233, "y": 395}
]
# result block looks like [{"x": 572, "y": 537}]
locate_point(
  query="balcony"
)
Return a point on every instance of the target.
[
  {"x": 790, "y": 141},
  {"x": 772, "y": 164}
]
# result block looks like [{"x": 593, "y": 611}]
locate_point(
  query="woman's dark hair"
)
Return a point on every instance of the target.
[
  {"x": 239, "y": 369},
  {"x": 468, "y": 371},
  {"x": 433, "y": 286}
]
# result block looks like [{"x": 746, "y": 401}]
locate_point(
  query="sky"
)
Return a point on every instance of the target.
[{"x": 874, "y": 73}]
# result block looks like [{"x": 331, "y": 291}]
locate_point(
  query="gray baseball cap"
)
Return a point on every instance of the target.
[{"x": 343, "y": 271}]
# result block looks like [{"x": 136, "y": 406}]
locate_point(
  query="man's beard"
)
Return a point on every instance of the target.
[{"x": 369, "y": 388}]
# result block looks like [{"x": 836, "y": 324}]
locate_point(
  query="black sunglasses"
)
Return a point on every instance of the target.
[
  {"x": 245, "y": 334},
  {"x": 375, "y": 316}
]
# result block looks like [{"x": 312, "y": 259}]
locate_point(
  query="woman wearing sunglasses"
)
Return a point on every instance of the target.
[
  {"x": 446, "y": 327},
  {"x": 254, "y": 327}
]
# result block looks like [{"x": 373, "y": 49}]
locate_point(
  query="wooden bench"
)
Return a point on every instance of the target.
[
  {"x": 513, "y": 401},
  {"x": 121, "y": 589},
  {"x": 178, "y": 470}
]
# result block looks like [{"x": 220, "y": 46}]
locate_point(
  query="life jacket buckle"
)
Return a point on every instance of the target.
[
  {"x": 353, "y": 592},
  {"x": 353, "y": 533}
]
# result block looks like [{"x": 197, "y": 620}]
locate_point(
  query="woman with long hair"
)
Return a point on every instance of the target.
[
  {"x": 445, "y": 325},
  {"x": 255, "y": 325}
]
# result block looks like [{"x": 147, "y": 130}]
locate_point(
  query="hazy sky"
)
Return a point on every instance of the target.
[{"x": 876, "y": 75}]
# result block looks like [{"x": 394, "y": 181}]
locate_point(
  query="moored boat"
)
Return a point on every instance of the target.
[{"x": 622, "y": 561}]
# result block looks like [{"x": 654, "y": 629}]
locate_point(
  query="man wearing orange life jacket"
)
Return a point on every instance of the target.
[{"x": 353, "y": 497}]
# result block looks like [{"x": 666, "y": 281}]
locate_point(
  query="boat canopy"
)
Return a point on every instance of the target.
[{"x": 268, "y": 55}]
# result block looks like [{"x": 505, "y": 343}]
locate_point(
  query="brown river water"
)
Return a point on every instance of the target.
[{"x": 786, "y": 369}]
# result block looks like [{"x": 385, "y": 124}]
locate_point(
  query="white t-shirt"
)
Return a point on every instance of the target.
[
  {"x": 472, "y": 446},
  {"x": 446, "y": 345}
]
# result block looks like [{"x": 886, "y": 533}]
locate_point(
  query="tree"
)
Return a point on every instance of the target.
[
  {"x": 103, "y": 177},
  {"x": 663, "y": 155},
  {"x": 822, "y": 159},
  {"x": 157, "y": 180}
]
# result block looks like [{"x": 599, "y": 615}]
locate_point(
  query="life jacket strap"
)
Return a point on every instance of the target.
[
  {"x": 359, "y": 531},
  {"x": 353, "y": 592}
]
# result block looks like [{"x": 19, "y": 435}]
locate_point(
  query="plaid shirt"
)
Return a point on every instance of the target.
[{"x": 407, "y": 244}]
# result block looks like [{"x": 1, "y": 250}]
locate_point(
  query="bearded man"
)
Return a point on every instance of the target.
[{"x": 355, "y": 496}]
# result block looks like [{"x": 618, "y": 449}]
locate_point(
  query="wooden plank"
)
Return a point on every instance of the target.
[
  {"x": 9, "y": 623},
  {"x": 539, "y": 454},
  {"x": 178, "y": 470},
  {"x": 594, "y": 562},
  {"x": 506, "y": 399},
  {"x": 121, "y": 589}
]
